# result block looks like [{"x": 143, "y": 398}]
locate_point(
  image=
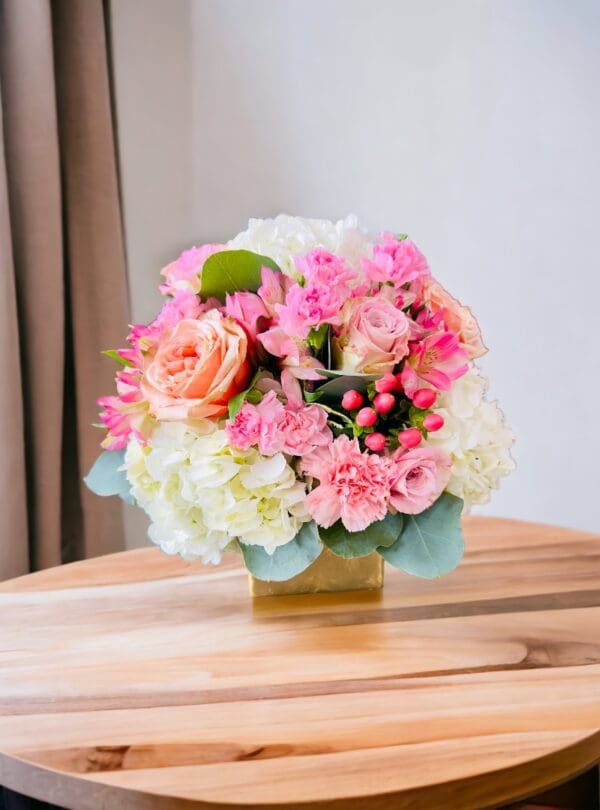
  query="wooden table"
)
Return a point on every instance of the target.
[{"x": 139, "y": 681}]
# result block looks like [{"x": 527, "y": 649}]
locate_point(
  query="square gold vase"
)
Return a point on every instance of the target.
[{"x": 328, "y": 573}]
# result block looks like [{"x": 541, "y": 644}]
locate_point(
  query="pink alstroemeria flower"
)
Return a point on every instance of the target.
[
  {"x": 249, "y": 310},
  {"x": 125, "y": 414},
  {"x": 293, "y": 353},
  {"x": 438, "y": 359}
]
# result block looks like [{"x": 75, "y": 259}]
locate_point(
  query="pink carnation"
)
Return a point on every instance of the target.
[
  {"x": 354, "y": 486},
  {"x": 257, "y": 425},
  {"x": 396, "y": 260},
  {"x": 327, "y": 285},
  {"x": 419, "y": 477},
  {"x": 294, "y": 429},
  {"x": 184, "y": 272},
  {"x": 321, "y": 267}
]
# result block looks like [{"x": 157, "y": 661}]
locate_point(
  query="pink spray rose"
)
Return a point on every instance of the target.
[
  {"x": 419, "y": 478},
  {"x": 374, "y": 336},
  {"x": 398, "y": 261},
  {"x": 354, "y": 486},
  {"x": 457, "y": 317},
  {"x": 184, "y": 273},
  {"x": 196, "y": 368}
]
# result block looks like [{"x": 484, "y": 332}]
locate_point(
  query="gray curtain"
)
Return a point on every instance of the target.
[{"x": 63, "y": 289}]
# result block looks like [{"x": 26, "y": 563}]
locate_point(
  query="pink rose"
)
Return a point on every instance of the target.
[
  {"x": 354, "y": 486},
  {"x": 184, "y": 272},
  {"x": 374, "y": 336},
  {"x": 456, "y": 316},
  {"x": 419, "y": 478},
  {"x": 196, "y": 368}
]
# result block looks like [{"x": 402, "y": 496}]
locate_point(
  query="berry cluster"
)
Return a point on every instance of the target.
[{"x": 391, "y": 410}]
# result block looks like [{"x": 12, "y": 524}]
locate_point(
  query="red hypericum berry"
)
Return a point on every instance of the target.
[
  {"x": 366, "y": 417},
  {"x": 375, "y": 442},
  {"x": 386, "y": 384},
  {"x": 352, "y": 400},
  {"x": 383, "y": 403},
  {"x": 433, "y": 422},
  {"x": 410, "y": 437},
  {"x": 424, "y": 398}
]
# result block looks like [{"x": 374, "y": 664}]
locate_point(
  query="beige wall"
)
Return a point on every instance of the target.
[{"x": 472, "y": 125}]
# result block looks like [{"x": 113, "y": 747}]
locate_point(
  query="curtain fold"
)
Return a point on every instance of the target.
[{"x": 63, "y": 277}]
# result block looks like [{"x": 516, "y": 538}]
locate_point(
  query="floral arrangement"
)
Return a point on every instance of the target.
[{"x": 304, "y": 384}]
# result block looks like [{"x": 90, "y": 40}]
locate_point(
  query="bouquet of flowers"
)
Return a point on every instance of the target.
[{"x": 305, "y": 384}]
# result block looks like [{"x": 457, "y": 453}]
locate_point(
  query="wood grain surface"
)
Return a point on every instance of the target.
[{"x": 140, "y": 681}]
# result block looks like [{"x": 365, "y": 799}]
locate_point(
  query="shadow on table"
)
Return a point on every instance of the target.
[
  {"x": 581, "y": 793},
  {"x": 14, "y": 801}
]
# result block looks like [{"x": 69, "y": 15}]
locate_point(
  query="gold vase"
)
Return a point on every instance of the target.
[{"x": 328, "y": 573}]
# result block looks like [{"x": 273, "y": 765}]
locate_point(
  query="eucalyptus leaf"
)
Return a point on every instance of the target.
[
  {"x": 230, "y": 271},
  {"x": 106, "y": 478},
  {"x": 286, "y": 561},
  {"x": 431, "y": 543},
  {"x": 358, "y": 544}
]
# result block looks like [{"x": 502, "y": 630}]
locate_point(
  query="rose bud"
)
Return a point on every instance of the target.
[
  {"x": 424, "y": 398},
  {"x": 366, "y": 417},
  {"x": 352, "y": 400},
  {"x": 375, "y": 442},
  {"x": 433, "y": 422},
  {"x": 386, "y": 384},
  {"x": 384, "y": 403},
  {"x": 410, "y": 437}
]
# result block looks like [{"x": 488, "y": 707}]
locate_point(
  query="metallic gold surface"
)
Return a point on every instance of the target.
[{"x": 328, "y": 573}]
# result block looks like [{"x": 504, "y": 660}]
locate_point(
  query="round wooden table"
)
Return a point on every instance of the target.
[{"x": 140, "y": 681}]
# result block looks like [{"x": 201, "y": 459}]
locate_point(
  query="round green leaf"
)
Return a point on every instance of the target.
[
  {"x": 230, "y": 271},
  {"x": 431, "y": 544},
  {"x": 286, "y": 561},
  {"x": 358, "y": 544}
]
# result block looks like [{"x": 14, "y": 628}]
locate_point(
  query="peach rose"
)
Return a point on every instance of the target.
[
  {"x": 374, "y": 336},
  {"x": 457, "y": 317},
  {"x": 196, "y": 368}
]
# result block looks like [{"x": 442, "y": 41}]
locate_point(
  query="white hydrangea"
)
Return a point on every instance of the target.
[
  {"x": 284, "y": 236},
  {"x": 201, "y": 494},
  {"x": 476, "y": 437}
]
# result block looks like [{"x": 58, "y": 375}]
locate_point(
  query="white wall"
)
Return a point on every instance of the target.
[{"x": 474, "y": 126}]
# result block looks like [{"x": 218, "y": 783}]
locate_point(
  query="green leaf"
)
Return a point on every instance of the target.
[
  {"x": 106, "y": 478},
  {"x": 114, "y": 355},
  {"x": 236, "y": 402},
  {"x": 286, "y": 561},
  {"x": 339, "y": 383},
  {"x": 358, "y": 544},
  {"x": 431, "y": 544},
  {"x": 317, "y": 337},
  {"x": 229, "y": 271}
]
